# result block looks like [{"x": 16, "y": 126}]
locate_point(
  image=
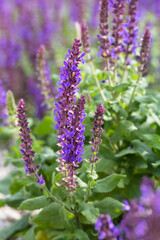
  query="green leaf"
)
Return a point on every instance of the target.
[
  {"x": 89, "y": 212},
  {"x": 144, "y": 151},
  {"x": 46, "y": 154},
  {"x": 125, "y": 152},
  {"x": 121, "y": 87},
  {"x": 107, "y": 184},
  {"x": 145, "y": 99},
  {"x": 18, "y": 184},
  {"x": 80, "y": 234},
  {"x": 5, "y": 184},
  {"x": 109, "y": 206},
  {"x": 77, "y": 234},
  {"x": 107, "y": 163},
  {"x": 15, "y": 227},
  {"x": 35, "y": 203},
  {"x": 44, "y": 127},
  {"x": 81, "y": 183},
  {"x": 53, "y": 216},
  {"x": 29, "y": 235},
  {"x": 15, "y": 200},
  {"x": 153, "y": 140},
  {"x": 126, "y": 127}
]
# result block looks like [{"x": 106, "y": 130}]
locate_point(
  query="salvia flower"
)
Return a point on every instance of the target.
[
  {"x": 145, "y": 48},
  {"x": 70, "y": 116},
  {"x": 97, "y": 132},
  {"x": 118, "y": 27},
  {"x": 43, "y": 76},
  {"x": 142, "y": 220},
  {"x": 3, "y": 104},
  {"x": 85, "y": 37},
  {"x": 106, "y": 228},
  {"x": 104, "y": 29},
  {"x": 26, "y": 146},
  {"x": 131, "y": 32}
]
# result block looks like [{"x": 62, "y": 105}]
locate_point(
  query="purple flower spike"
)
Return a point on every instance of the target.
[
  {"x": 145, "y": 48},
  {"x": 43, "y": 77},
  {"x": 85, "y": 37},
  {"x": 97, "y": 132},
  {"x": 26, "y": 146},
  {"x": 70, "y": 117},
  {"x": 104, "y": 29},
  {"x": 131, "y": 33},
  {"x": 106, "y": 228},
  {"x": 118, "y": 27}
]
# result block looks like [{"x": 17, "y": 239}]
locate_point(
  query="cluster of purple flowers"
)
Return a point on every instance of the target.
[
  {"x": 131, "y": 32},
  {"x": 43, "y": 77},
  {"x": 124, "y": 30},
  {"x": 145, "y": 48},
  {"x": 141, "y": 220},
  {"x": 70, "y": 116},
  {"x": 26, "y": 146},
  {"x": 104, "y": 29},
  {"x": 85, "y": 37},
  {"x": 106, "y": 228}
]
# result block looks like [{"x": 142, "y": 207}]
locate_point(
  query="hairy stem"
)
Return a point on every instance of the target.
[
  {"x": 133, "y": 92},
  {"x": 89, "y": 183}
]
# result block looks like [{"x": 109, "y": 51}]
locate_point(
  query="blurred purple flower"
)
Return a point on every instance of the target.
[
  {"x": 3, "y": 105},
  {"x": 106, "y": 228},
  {"x": 142, "y": 220}
]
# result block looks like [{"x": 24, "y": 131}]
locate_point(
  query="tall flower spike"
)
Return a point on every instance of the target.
[
  {"x": 118, "y": 27},
  {"x": 106, "y": 228},
  {"x": 104, "y": 29},
  {"x": 85, "y": 37},
  {"x": 26, "y": 146},
  {"x": 131, "y": 33},
  {"x": 97, "y": 132},
  {"x": 43, "y": 76},
  {"x": 69, "y": 117},
  {"x": 145, "y": 48}
]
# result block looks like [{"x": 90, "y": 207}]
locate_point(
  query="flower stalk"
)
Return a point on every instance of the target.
[{"x": 95, "y": 141}]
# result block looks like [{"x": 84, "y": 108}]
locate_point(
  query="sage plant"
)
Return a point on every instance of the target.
[
  {"x": 70, "y": 117},
  {"x": 26, "y": 146}
]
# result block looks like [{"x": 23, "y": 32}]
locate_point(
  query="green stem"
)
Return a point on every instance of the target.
[
  {"x": 89, "y": 183},
  {"x": 133, "y": 92},
  {"x": 125, "y": 74},
  {"x": 96, "y": 79},
  {"x": 55, "y": 199},
  {"x": 115, "y": 73}
]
